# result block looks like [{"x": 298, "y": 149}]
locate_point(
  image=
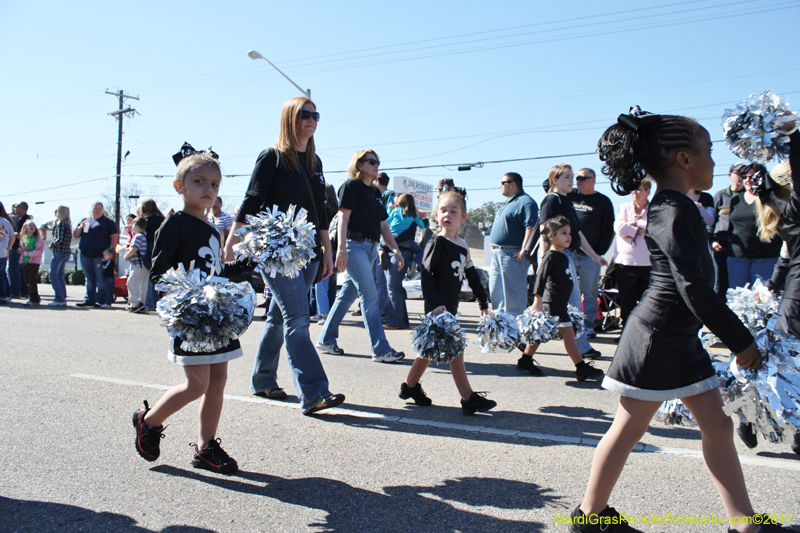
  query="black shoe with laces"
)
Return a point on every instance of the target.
[
  {"x": 527, "y": 364},
  {"x": 747, "y": 434},
  {"x": 415, "y": 392},
  {"x": 609, "y": 521},
  {"x": 212, "y": 457},
  {"x": 766, "y": 525},
  {"x": 148, "y": 440},
  {"x": 477, "y": 402},
  {"x": 584, "y": 371}
]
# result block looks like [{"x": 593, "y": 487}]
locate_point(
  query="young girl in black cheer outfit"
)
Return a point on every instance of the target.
[
  {"x": 553, "y": 288},
  {"x": 660, "y": 356},
  {"x": 184, "y": 238},
  {"x": 445, "y": 264}
]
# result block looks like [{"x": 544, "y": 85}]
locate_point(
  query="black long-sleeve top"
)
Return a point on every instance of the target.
[
  {"x": 554, "y": 280},
  {"x": 184, "y": 238},
  {"x": 273, "y": 182},
  {"x": 681, "y": 297},
  {"x": 444, "y": 267},
  {"x": 790, "y": 223}
]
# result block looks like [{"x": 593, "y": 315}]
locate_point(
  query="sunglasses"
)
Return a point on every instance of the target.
[
  {"x": 305, "y": 115},
  {"x": 371, "y": 161},
  {"x": 506, "y": 182},
  {"x": 584, "y": 178}
]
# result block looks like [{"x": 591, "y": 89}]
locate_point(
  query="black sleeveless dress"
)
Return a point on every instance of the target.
[{"x": 660, "y": 356}]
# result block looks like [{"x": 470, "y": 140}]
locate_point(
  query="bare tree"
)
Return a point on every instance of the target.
[{"x": 130, "y": 196}]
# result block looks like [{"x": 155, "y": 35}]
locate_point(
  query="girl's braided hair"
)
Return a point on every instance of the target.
[{"x": 640, "y": 143}]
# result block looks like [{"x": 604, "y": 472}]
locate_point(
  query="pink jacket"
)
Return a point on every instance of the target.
[
  {"x": 631, "y": 248},
  {"x": 35, "y": 255}
]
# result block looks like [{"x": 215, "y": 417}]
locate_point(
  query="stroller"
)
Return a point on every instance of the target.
[{"x": 608, "y": 317}]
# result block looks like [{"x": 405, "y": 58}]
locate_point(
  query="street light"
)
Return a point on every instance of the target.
[{"x": 252, "y": 54}]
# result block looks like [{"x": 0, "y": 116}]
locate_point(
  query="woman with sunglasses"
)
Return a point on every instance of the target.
[
  {"x": 750, "y": 258},
  {"x": 362, "y": 222},
  {"x": 290, "y": 173}
]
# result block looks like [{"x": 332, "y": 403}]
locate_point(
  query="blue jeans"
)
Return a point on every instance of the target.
[
  {"x": 96, "y": 290},
  {"x": 3, "y": 278},
  {"x": 381, "y": 288},
  {"x": 742, "y": 270},
  {"x": 358, "y": 282},
  {"x": 58, "y": 266},
  {"x": 575, "y": 301},
  {"x": 321, "y": 292},
  {"x": 508, "y": 281},
  {"x": 152, "y": 296},
  {"x": 589, "y": 274},
  {"x": 287, "y": 319},
  {"x": 16, "y": 281},
  {"x": 397, "y": 312}
]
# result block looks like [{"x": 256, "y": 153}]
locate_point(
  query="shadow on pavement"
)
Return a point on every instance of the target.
[
  {"x": 30, "y": 516},
  {"x": 398, "y": 508}
]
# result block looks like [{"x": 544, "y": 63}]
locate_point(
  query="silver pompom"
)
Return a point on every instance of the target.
[
  {"x": 675, "y": 413},
  {"x": 439, "y": 338},
  {"x": 206, "y": 312},
  {"x": 281, "y": 243},
  {"x": 753, "y": 305},
  {"x": 498, "y": 331},
  {"x": 576, "y": 317},
  {"x": 753, "y": 128},
  {"x": 769, "y": 397},
  {"x": 536, "y": 328}
]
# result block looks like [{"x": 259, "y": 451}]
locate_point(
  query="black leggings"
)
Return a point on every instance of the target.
[{"x": 631, "y": 282}]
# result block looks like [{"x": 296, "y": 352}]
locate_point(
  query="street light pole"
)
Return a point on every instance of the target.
[{"x": 252, "y": 54}]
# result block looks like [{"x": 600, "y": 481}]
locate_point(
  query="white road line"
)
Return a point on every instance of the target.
[{"x": 561, "y": 439}]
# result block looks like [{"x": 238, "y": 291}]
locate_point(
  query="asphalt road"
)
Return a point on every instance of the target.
[{"x": 72, "y": 378}]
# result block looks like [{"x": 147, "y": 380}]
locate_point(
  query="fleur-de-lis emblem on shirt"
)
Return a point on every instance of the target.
[
  {"x": 459, "y": 267},
  {"x": 569, "y": 274},
  {"x": 212, "y": 254}
]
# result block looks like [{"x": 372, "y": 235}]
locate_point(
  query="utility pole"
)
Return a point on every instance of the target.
[{"x": 118, "y": 114}]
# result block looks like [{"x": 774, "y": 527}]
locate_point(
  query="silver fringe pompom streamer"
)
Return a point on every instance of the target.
[
  {"x": 205, "y": 312},
  {"x": 769, "y": 397},
  {"x": 753, "y": 305},
  {"x": 536, "y": 328},
  {"x": 439, "y": 338},
  {"x": 675, "y": 413},
  {"x": 281, "y": 243},
  {"x": 753, "y": 128},
  {"x": 498, "y": 331},
  {"x": 576, "y": 317}
]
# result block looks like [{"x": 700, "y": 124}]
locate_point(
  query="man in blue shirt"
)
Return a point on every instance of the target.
[
  {"x": 512, "y": 229},
  {"x": 97, "y": 233}
]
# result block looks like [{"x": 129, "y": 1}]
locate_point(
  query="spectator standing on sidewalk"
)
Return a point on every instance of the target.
[
  {"x": 722, "y": 211},
  {"x": 17, "y": 285},
  {"x": 220, "y": 219},
  {"x": 7, "y": 238},
  {"x": 596, "y": 213},
  {"x": 511, "y": 231},
  {"x": 61, "y": 248},
  {"x": 150, "y": 211},
  {"x": 97, "y": 233},
  {"x": 137, "y": 279}
]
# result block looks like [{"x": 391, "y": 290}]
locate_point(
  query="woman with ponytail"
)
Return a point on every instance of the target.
[{"x": 660, "y": 356}]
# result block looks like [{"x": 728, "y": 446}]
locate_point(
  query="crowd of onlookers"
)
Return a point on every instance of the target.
[{"x": 730, "y": 215}]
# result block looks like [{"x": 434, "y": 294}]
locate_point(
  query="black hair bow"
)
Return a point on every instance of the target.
[
  {"x": 460, "y": 190},
  {"x": 636, "y": 118},
  {"x": 187, "y": 150}
]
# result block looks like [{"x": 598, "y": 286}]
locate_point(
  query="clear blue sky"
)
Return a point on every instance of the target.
[{"x": 421, "y": 83}]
